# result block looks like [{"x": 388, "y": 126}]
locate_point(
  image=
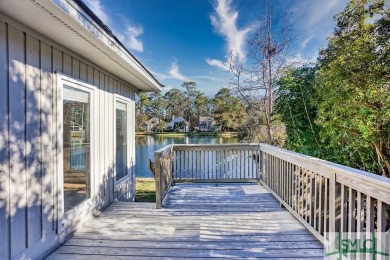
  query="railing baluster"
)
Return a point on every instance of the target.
[
  {"x": 225, "y": 164},
  {"x": 351, "y": 212},
  {"x": 359, "y": 213},
  {"x": 234, "y": 164},
  {"x": 239, "y": 163},
  {"x": 381, "y": 227},
  {"x": 320, "y": 211},
  {"x": 309, "y": 198},
  {"x": 326, "y": 211},
  {"x": 248, "y": 158},
  {"x": 315, "y": 201},
  {"x": 284, "y": 180},
  {"x": 215, "y": 164}
]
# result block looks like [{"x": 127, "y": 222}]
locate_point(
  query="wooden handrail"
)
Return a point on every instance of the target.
[{"x": 328, "y": 198}]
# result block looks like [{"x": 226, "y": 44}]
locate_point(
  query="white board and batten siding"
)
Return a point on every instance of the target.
[{"x": 29, "y": 127}]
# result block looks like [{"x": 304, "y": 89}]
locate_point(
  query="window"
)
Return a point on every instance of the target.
[
  {"x": 121, "y": 133},
  {"x": 76, "y": 123}
]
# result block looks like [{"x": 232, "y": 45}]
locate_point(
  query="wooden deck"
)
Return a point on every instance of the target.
[{"x": 197, "y": 221}]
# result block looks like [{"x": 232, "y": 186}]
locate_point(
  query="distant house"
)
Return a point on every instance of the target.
[
  {"x": 206, "y": 123},
  {"x": 67, "y": 117},
  {"x": 148, "y": 126},
  {"x": 179, "y": 124}
]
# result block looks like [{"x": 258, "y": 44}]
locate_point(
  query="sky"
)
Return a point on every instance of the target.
[{"x": 188, "y": 40}]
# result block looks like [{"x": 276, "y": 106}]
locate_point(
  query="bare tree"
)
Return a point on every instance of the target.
[{"x": 254, "y": 78}]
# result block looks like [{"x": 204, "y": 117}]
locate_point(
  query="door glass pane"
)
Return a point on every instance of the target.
[
  {"x": 121, "y": 141},
  {"x": 76, "y": 122}
]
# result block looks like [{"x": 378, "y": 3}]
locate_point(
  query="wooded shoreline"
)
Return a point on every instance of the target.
[{"x": 173, "y": 134}]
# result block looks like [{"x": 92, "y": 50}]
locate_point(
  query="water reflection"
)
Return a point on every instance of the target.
[{"x": 147, "y": 145}]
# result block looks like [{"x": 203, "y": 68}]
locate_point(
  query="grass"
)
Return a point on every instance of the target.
[{"x": 146, "y": 191}]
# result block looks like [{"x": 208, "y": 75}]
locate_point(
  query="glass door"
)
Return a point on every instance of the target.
[
  {"x": 121, "y": 164},
  {"x": 76, "y": 144}
]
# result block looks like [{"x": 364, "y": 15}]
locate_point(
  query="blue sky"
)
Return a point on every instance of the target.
[{"x": 182, "y": 40}]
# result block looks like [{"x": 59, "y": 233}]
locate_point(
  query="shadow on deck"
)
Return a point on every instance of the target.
[{"x": 197, "y": 221}]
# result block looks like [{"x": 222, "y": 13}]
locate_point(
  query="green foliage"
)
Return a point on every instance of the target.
[
  {"x": 190, "y": 93},
  {"x": 157, "y": 105},
  {"x": 142, "y": 105},
  {"x": 161, "y": 126},
  {"x": 341, "y": 110},
  {"x": 296, "y": 107},
  {"x": 228, "y": 110},
  {"x": 200, "y": 104},
  {"x": 175, "y": 103},
  {"x": 354, "y": 88}
]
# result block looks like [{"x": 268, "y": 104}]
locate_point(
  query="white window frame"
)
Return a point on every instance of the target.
[
  {"x": 74, "y": 215},
  {"x": 127, "y": 177}
]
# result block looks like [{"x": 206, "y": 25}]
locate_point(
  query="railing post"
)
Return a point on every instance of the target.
[
  {"x": 157, "y": 177},
  {"x": 260, "y": 166},
  {"x": 263, "y": 166}
]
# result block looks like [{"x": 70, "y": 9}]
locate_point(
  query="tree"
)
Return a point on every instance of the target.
[
  {"x": 176, "y": 103},
  {"x": 254, "y": 78},
  {"x": 296, "y": 106},
  {"x": 354, "y": 88},
  {"x": 190, "y": 94},
  {"x": 228, "y": 110},
  {"x": 161, "y": 126},
  {"x": 200, "y": 104},
  {"x": 157, "y": 106},
  {"x": 142, "y": 104}
]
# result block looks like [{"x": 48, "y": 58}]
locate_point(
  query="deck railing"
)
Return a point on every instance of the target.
[
  {"x": 162, "y": 170},
  {"x": 324, "y": 196},
  {"x": 328, "y": 198},
  {"x": 204, "y": 163},
  {"x": 215, "y": 163}
]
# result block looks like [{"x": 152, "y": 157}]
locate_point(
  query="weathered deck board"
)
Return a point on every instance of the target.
[{"x": 197, "y": 221}]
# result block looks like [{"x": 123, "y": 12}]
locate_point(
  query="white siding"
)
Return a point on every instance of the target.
[{"x": 28, "y": 138}]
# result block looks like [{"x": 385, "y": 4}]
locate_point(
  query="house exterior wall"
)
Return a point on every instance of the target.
[{"x": 29, "y": 127}]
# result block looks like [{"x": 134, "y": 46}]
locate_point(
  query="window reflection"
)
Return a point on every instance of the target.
[{"x": 76, "y": 123}]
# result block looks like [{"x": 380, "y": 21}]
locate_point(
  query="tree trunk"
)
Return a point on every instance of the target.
[{"x": 380, "y": 151}]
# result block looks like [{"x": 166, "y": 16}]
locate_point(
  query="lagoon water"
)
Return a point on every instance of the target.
[{"x": 145, "y": 146}]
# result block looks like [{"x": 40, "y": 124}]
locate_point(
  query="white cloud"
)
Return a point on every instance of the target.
[
  {"x": 315, "y": 19},
  {"x": 131, "y": 33},
  {"x": 306, "y": 41},
  {"x": 211, "y": 78},
  {"x": 298, "y": 59},
  {"x": 216, "y": 63},
  {"x": 130, "y": 37},
  {"x": 224, "y": 21},
  {"x": 97, "y": 8},
  {"x": 320, "y": 10},
  {"x": 174, "y": 72},
  {"x": 159, "y": 75}
]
